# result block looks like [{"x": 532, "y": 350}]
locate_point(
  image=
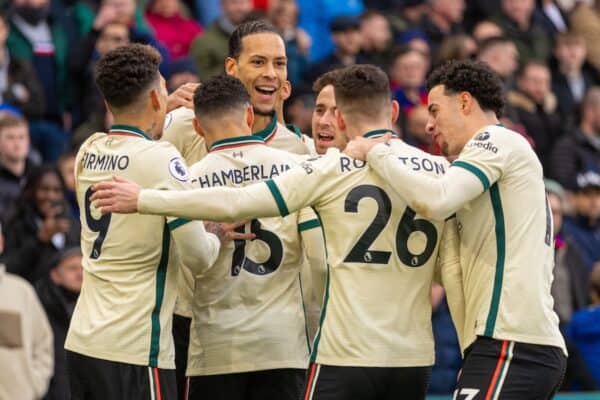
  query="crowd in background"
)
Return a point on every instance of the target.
[{"x": 547, "y": 53}]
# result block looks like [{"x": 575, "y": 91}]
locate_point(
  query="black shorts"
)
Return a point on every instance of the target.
[
  {"x": 327, "y": 382},
  {"x": 273, "y": 384},
  {"x": 181, "y": 338},
  {"x": 92, "y": 378},
  {"x": 502, "y": 369}
]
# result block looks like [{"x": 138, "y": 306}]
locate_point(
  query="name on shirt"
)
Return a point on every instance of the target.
[
  {"x": 416, "y": 163},
  {"x": 104, "y": 162},
  {"x": 238, "y": 176}
]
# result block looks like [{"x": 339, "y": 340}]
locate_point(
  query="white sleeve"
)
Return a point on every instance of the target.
[
  {"x": 434, "y": 198},
  {"x": 197, "y": 249}
]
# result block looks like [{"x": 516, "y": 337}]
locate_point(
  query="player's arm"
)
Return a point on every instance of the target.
[
  {"x": 313, "y": 244},
  {"x": 437, "y": 198},
  {"x": 449, "y": 274},
  {"x": 197, "y": 248}
]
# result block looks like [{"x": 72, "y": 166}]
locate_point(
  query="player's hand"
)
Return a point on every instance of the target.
[
  {"x": 182, "y": 97},
  {"x": 227, "y": 232},
  {"x": 120, "y": 196},
  {"x": 359, "y": 147}
]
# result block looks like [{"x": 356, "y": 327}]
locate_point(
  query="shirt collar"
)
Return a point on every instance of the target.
[
  {"x": 379, "y": 133},
  {"x": 269, "y": 130},
  {"x": 128, "y": 130},
  {"x": 232, "y": 142}
]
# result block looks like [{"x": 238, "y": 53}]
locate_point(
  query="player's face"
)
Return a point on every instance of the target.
[
  {"x": 445, "y": 122},
  {"x": 326, "y": 132},
  {"x": 262, "y": 68}
]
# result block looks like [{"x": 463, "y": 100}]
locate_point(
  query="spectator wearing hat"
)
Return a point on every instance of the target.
[
  {"x": 345, "y": 32},
  {"x": 58, "y": 293},
  {"x": 584, "y": 328},
  {"x": 174, "y": 31},
  {"x": 580, "y": 148},
  {"x": 584, "y": 226}
]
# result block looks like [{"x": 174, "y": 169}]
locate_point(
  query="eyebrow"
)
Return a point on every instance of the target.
[{"x": 431, "y": 107}]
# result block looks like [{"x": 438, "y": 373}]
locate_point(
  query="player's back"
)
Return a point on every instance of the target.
[
  {"x": 506, "y": 238},
  {"x": 123, "y": 311},
  {"x": 247, "y": 308},
  {"x": 381, "y": 256}
]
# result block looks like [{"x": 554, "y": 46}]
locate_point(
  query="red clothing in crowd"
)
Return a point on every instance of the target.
[{"x": 175, "y": 32}]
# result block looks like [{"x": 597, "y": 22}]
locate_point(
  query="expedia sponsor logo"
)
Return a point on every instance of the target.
[
  {"x": 483, "y": 136},
  {"x": 485, "y": 146}
]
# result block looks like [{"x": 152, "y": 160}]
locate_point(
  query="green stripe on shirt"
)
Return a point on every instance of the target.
[
  {"x": 306, "y": 225},
  {"x": 283, "y": 210},
  {"x": 478, "y": 173},
  {"x": 161, "y": 276},
  {"x": 176, "y": 223},
  {"x": 500, "y": 258}
]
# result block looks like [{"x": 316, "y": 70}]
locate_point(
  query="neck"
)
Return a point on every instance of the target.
[
  {"x": 17, "y": 167},
  {"x": 261, "y": 122},
  {"x": 359, "y": 128},
  {"x": 225, "y": 131},
  {"x": 570, "y": 71},
  {"x": 477, "y": 122},
  {"x": 140, "y": 121}
]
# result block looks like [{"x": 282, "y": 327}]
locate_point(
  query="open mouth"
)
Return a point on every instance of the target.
[
  {"x": 265, "y": 91},
  {"x": 325, "y": 137}
]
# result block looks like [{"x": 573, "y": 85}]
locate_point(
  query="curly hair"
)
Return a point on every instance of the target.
[
  {"x": 362, "y": 89},
  {"x": 124, "y": 73},
  {"x": 474, "y": 77},
  {"x": 247, "y": 29},
  {"x": 218, "y": 95}
]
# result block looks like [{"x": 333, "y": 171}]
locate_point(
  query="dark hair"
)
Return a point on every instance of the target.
[
  {"x": 474, "y": 77},
  {"x": 531, "y": 63},
  {"x": 490, "y": 42},
  {"x": 8, "y": 120},
  {"x": 247, "y": 29},
  {"x": 124, "y": 73},
  {"x": 328, "y": 78},
  {"x": 218, "y": 95},
  {"x": 362, "y": 88}
]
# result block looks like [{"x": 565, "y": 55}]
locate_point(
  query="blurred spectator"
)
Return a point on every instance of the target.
[
  {"x": 41, "y": 225},
  {"x": 173, "y": 30},
  {"x": 19, "y": 85},
  {"x": 572, "y": 78},
  {"x": 456, "y": 47},
  {"x": 569, "y": 287},
  {"x": 345, "y": 31},
  {"x": 37, "y": 38},
  {"x": 552, "y": 18},
  {"x": 284, "y": 16},
  {"x": 535, "y": 105},
  {"x": 88, "y": 13},
  {"x": 26, "y": 357},
  {"x": 207, "y": 11},
  {"x": 584, "y": 329},
  {"x": 58, "y": 294},
  {"x": 14, "y": 147},
  {"x": 95, "y": 44},
  {"x": 584, "y": 227},
  {"x": 316, "y": 17},
  {"x": 414, "y": 39},
  {"x": 486, "y": 29},
  {"x": 585, "y": 20},
  {"x": 182, "y": 71},
  {"x": 99, "y": 121},
  {"x": 579, "y": 150},
  {"x": 299, "y": 108},
  {"x": 501, "y": 54},
  {"x": 415, "y": 132},
  {"x": 517, "y": 22},
  {"x": 210, "y": 49},
  {"x": 443, "y": 18},
  {"x": 66, "y": 167},
  {"x": 407, "y": 77},
  {"x": 377, "y": 39}
]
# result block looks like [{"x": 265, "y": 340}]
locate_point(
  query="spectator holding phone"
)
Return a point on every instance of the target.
[{"x": 40, "y": 227}]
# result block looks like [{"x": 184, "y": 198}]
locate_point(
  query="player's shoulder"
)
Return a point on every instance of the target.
[
  {"x": 419, "y": 160},
  {"x": 499, "y": 139},
  {"x": 180, "y": 115}
]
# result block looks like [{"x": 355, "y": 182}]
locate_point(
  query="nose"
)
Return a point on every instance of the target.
[
  {"x": 269, "y": 71},
  {"x": 430, "y": 126}
]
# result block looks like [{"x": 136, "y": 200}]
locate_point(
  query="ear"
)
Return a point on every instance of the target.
[
  {"x": 155, "y": 99},
  {"x": 198, "y": 128},
  {"x": 466, "y": 102},
  {"x": 54, "y": 276},
  {"x": 249, "y": 115},
  {"x": 341, "y": 122},
  {"x": 231, "y": 66},
  {"x": 395, "y": 111},
  {"x": 286, "y": 90}
]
